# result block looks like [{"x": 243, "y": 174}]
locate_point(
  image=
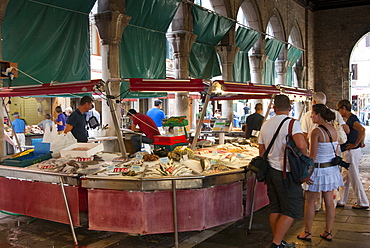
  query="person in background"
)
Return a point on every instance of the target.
[
  {"x": 92, "y": 112},
  {"x": 254, "y": 122},
  {"x": 326, "y": 176},
  {"x": 246, "y": 109},
  {"x": 19, "y": 127},
  {"x": 45, "y": 122},
  {"x": 286, "y": 203},
  {"x": 157, "y": 114},
  {"x": 146, "y": 125},
  {"x": 217, "y": 114},
  {"x": 60, "y": 120},
  {"x": 76, "y": 122},
  {"x": 68, "y": 111},
  {"x": 351, "y": 153}
]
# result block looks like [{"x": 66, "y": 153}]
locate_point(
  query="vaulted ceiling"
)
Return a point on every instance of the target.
[{"x": 316, "y": 5}]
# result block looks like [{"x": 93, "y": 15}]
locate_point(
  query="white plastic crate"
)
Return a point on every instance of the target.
[{"x": 93, "y": 148}]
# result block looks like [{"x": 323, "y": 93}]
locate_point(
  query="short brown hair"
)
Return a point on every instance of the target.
[
  {"x": 344, "y": 103},
  {"x": 282, "y": 103},
  {"x": 85, "y": 99}
]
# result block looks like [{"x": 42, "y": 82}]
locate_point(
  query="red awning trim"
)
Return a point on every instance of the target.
[
  {"x": 250, "y": 88},
  {"x": 240, "y": 97},
  {"x": 159, "y": 85},
  {"x": 50, "y": 89}
]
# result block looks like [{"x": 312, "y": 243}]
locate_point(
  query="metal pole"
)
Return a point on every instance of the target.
[
  {"x": 11, "y": 124},
  {"x": 68, "y": 212},
  {"x": 252, "y": 206},
  {"x": 269, "y": 107},
  {"x": 302, "y": 110},
  {"x": 115, "y": 122},
  {"x": 174, "y": 206},
  {"x": 201, "y": 119}
]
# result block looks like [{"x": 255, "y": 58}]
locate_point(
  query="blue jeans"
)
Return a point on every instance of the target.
[{"x": 138, "y": 139}]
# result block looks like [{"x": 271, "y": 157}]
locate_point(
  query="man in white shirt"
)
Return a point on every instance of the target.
[{"x": 286, "y": 203}]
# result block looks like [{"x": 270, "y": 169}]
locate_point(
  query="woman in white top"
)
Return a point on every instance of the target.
[{"x": 326, "y": 176}]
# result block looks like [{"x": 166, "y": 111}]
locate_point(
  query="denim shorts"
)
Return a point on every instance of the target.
[{"x": 283, "y": 199}]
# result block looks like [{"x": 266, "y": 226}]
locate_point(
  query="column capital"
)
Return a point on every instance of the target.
[
  {"x": 110, "y": 26},
  {"x": 281, "y": 66},
  {"x": 227, "y": 53},
  {"x": 181, "y": 41},
  {"x": 258, "y": 61},
  {"x": 227, "y": 56}
]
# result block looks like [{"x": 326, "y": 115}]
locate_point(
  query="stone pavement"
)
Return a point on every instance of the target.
[{"x": 351, "y": 230}]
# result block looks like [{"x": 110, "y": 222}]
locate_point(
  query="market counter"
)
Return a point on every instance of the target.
[
  {"x": 38, "y": 194},
  {"x": 162, "y": 183}
]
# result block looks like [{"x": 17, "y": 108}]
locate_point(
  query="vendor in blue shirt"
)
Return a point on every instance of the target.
[
  {"x": 76, "y": 122},
  {"x": 157, "y": 114},
  {"x": 19, "y": 127}
]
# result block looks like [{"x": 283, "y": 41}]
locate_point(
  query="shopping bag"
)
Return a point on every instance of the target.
[{"x": 60, "y": 142}]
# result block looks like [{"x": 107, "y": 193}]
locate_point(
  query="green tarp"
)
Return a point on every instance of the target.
[
  {"x": 293, "y": 55},
  {"x": 273, "y": 48},
  {"x": 49, "y": 39},
  {"x": 210, "y": 28},
  {"x": 245, "y": 39},
  {"x": 127, "y": 94},
  {"x": 143, "y": 46}
]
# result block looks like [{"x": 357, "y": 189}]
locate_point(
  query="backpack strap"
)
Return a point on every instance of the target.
[
  {"x": 265, "y": 154},
  {"x": 289, "y": 136}
]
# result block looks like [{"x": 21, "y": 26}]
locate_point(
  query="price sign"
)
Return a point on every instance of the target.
[{"x": 164, "y": 160}]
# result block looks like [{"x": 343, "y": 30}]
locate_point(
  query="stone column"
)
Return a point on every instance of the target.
[
  {"x": 181, "y": 42},
  {"x": 281, "y": 69},
  {"x": 110, "y": 26},
  {"x": 227, "y": 57},
  {"x": 3, "y": 5},
  {"x": 300, "y": 71},
  {"x": 257, "y": 62}
]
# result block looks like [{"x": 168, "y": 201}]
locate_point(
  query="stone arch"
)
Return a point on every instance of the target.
[
  {"x": 295, "y": 38},
  {"x": 253, "y": 18},
  {"x": 277, "y": 25}
]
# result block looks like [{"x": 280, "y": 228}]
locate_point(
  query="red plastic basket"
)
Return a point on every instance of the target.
[{"x": 169, "y": 140}]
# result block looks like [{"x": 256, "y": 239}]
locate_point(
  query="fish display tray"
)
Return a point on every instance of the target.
[
  {"x": 91, "y": 149},
  {"x": 27, "y": 160}
]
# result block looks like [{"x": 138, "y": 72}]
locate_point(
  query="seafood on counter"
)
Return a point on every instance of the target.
[
  {"x": 179, "y": 152},
  {"x": 169, "y": 169}
]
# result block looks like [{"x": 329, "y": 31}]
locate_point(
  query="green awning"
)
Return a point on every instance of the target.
[{"x": 49, "y": 39}]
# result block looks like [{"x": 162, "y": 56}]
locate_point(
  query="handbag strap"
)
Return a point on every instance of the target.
[
  {"x": 274, "y": 138},
  {"x": 330, "y": 138}
]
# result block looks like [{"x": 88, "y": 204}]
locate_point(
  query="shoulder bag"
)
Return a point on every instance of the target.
[
  {"x": 260, "y": 165},
  {"x": 337, "y": 160}
]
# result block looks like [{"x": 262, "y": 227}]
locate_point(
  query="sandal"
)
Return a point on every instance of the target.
[
  {"x": 356, "y": 206},
  {"x": 305, "y": 237},
  {"x": 326, "y": 236}
]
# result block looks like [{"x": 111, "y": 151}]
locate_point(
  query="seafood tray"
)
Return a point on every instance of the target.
[
  {"x": 41, "y": 153},
  {"x": 82, "y": 150}
]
